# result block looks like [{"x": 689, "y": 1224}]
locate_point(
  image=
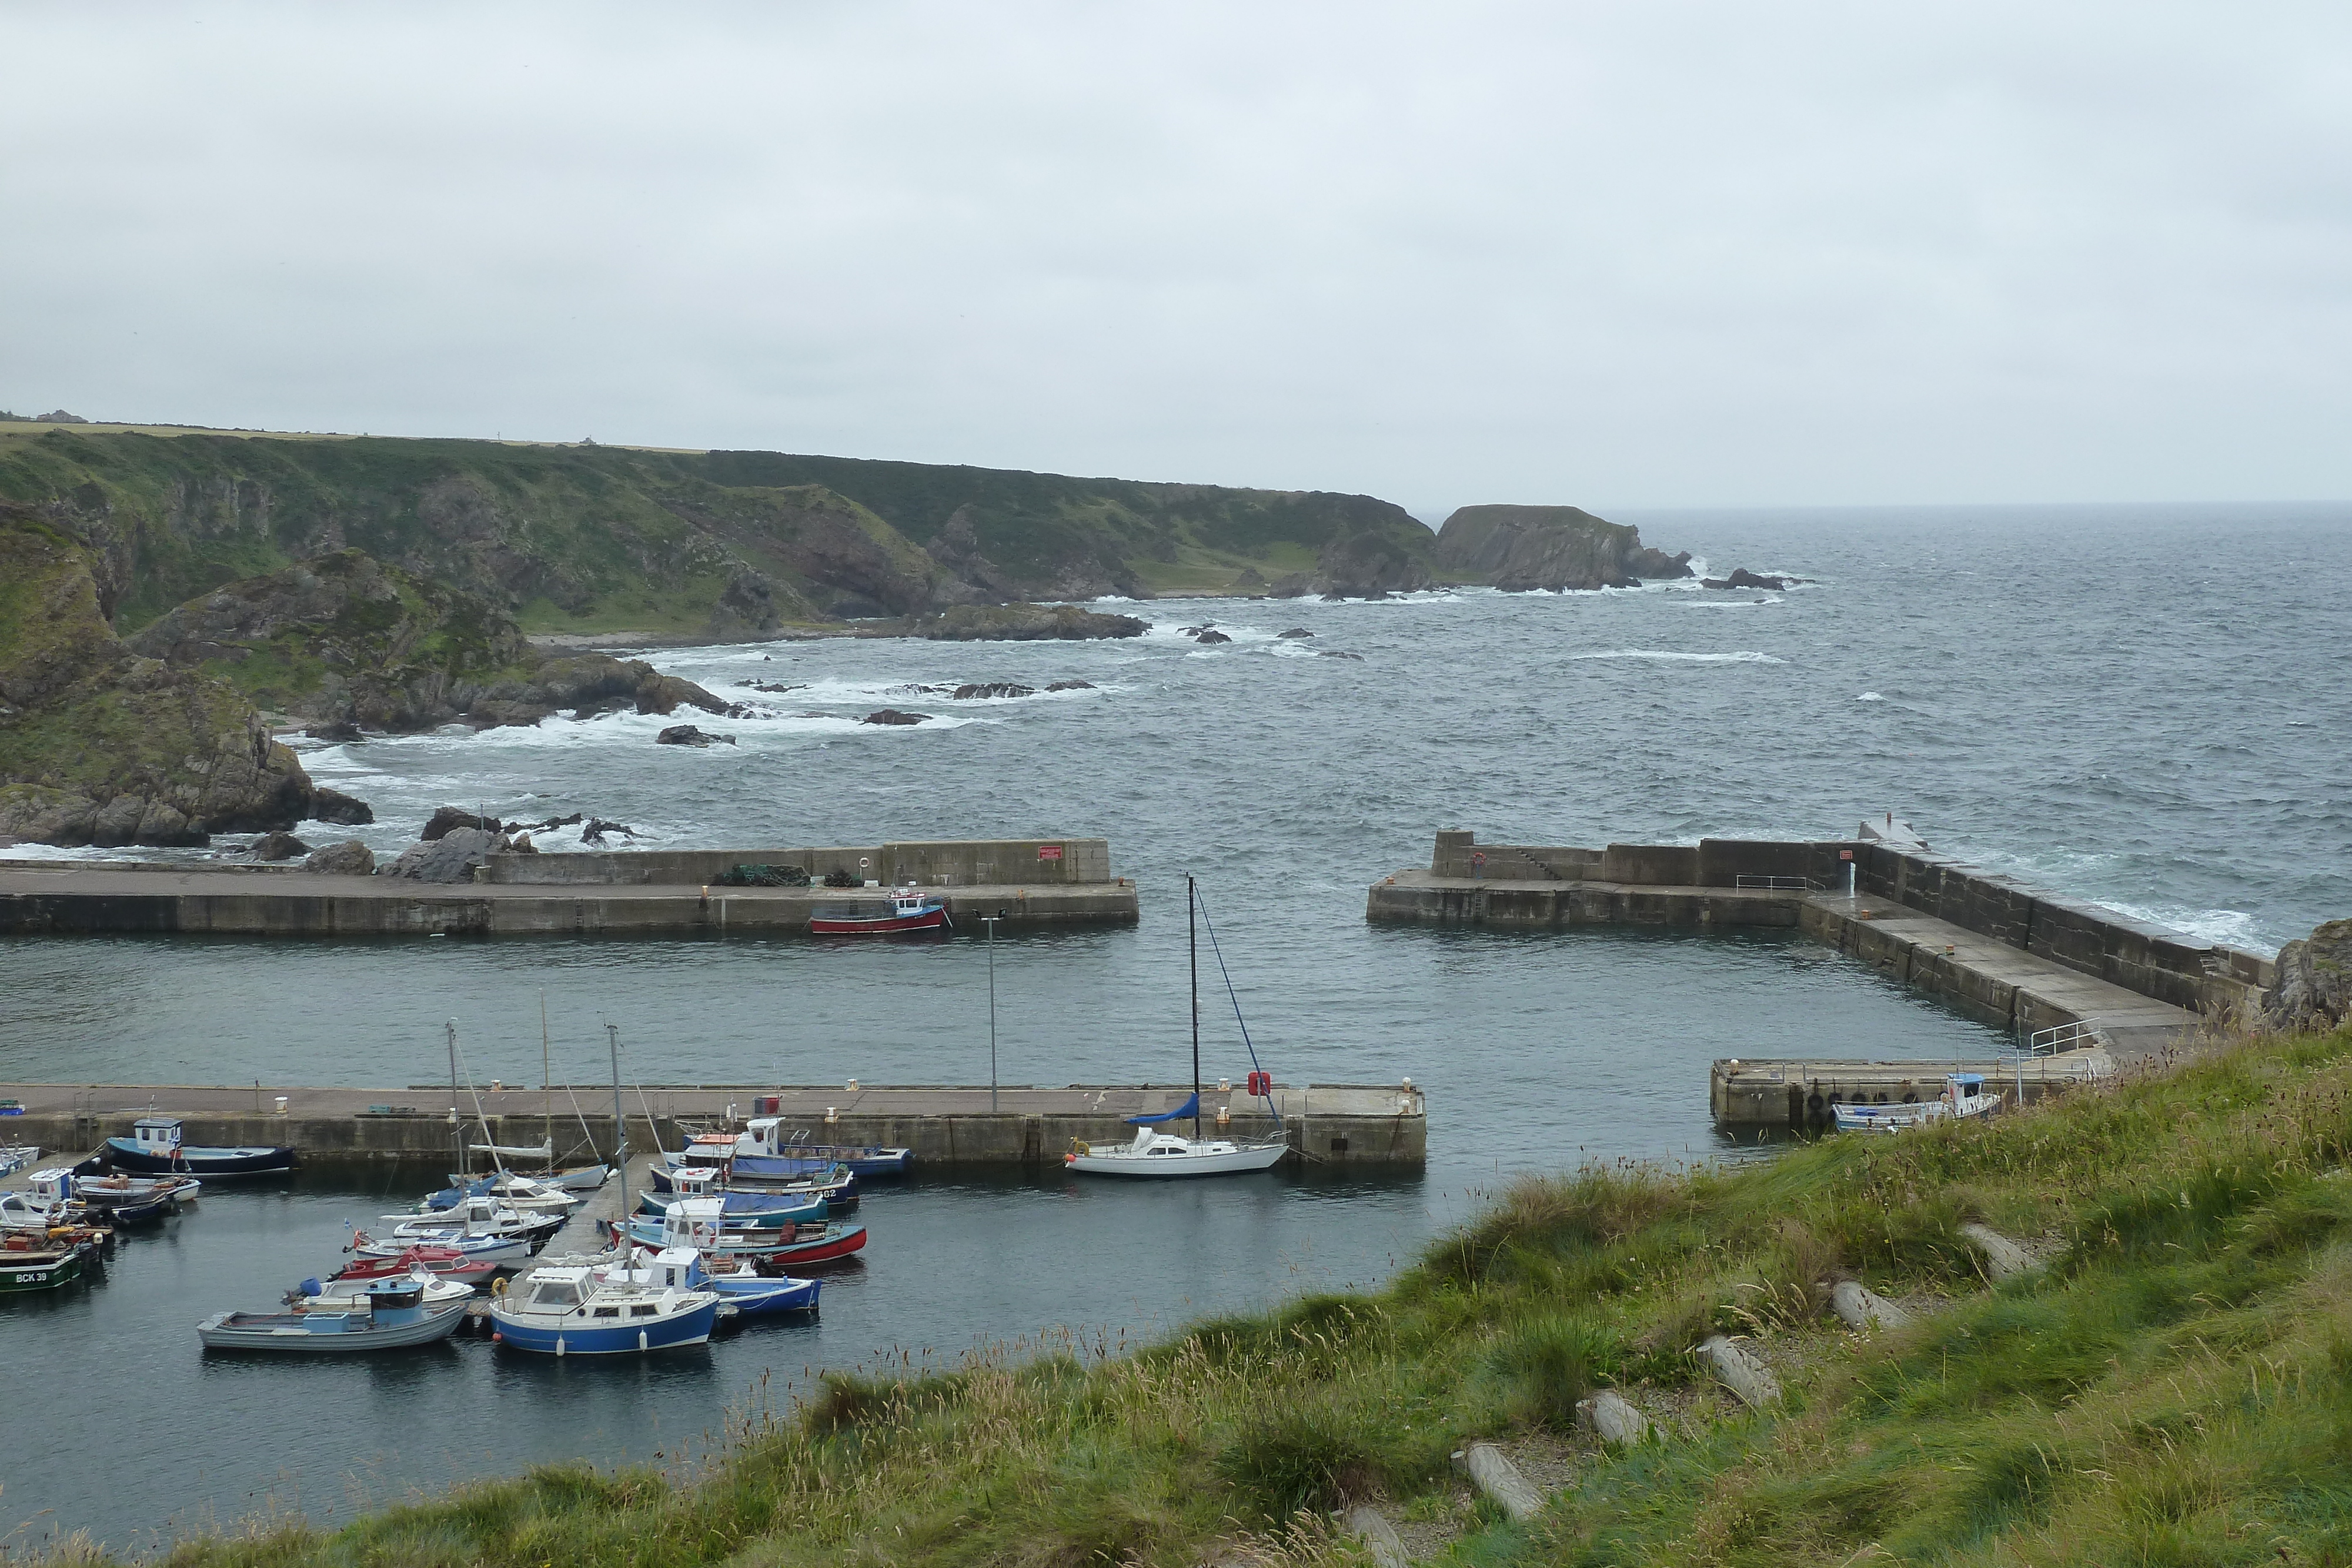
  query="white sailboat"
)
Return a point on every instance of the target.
[{"x": 1155, "y": 1153}]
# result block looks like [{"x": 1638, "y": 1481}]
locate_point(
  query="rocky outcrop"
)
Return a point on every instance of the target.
[
  {"x": 690, "y": 735},
  {"x": 1371, "y": 565},
  {"x": 1294, "y": 635},
  {"x": 451, "y": 857},
  {"x": 1071, "y": 687},
  {"x": 280, "y": 846},
  {"x": 1742, "y": 578},
  {"x": 1020, "y": 623},
  {"x": 1556, "y": 547},
  {"x": 2313, "y": 985},
  {"x": 439, "y": 824},
  {"x": 351, "y": 645},
  {"x": 990, "y": 689},
  {"x": 1210, "y": 637},
  {"x": 349, "y": 858},
  {"x": 100, "y": 745},
  {"x": 893, "y": 716}
]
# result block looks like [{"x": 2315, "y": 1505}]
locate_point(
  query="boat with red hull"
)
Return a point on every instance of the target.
[{"x": 908, "y": 910}]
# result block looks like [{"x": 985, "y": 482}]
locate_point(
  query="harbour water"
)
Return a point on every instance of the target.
[{"x": 2133, "y": 706}]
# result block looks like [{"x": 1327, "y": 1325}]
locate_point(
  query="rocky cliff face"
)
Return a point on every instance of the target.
[
  {"x": 99, "y": 745},
  {"x": 346, "y": 640},
  {"x": 1556, "y": 547},
  {"x": 2314, "y": 988}
]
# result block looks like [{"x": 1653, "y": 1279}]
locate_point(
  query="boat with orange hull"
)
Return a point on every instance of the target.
[{"x": 908, "y": 910}]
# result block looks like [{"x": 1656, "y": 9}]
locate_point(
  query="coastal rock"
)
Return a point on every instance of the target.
[
  {"x": 276, "y": 847},
  {"x": 450, "y": 858},
  {"x": 1211, "y": 638},
  {"x": 1292, "y": 634},
  {"x": 343, "y": 810},
  {"x": 689, "y": 735},
  {"x": 100, "y": 745},
  {"x": 1022, "y": 623},
  {"x": 449, "y": 818},
  {"x": 992, "y": 689},
  {"x": 1071, "y": 687},
  {"x": 1742, "y": 578},
  {"x": 2313, "y": 987},
  {"x": 596, "y": 828},
  {"x": 1290, "y": 585},
  {"x": 1249, "y": 580},
  {"x": 893, "y": 716},
  {"x": 349, "y": 858},
  {"x": 1334, "y": 654},
  {"x": 342, "y": 731},
  {"x": 1560, "y": 549}
]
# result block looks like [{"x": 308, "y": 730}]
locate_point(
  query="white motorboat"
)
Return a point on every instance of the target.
[
  {"x": 477, "y": 1219},
  {"x": 1153, "y": 1153},
  {"x": 1963, "y": 1098}
]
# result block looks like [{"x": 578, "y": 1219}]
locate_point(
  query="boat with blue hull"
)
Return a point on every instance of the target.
[
  {"x": 696, "y": 1226},
  {"x": 745, "y": 1209},
  {"x": 739, "y": 1285},
  {"x": 764, "y": 1137},
  {"x": 156, "y": 1148},
  {"x": 583, "y": 1309}
]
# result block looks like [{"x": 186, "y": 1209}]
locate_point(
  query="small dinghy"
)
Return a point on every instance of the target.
[
  {"x": 155, "y": 1149},
  {"x": 909, "y": 909},
  {"x": 382, "y": 1314},
  {"x": 14, "y": 1157},
  {"x": 1963, "y": 1098},
  {"x": 585, "y": 1309}
]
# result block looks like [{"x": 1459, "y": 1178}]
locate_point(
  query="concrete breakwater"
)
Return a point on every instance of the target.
[
  {"x": 1029, "y": 882},
  {"x": 1330, "y": 1125},
  {"x": 1997, "y": 950}
]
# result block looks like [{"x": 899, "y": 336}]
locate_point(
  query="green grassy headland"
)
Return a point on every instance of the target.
[{"x": 2173, "y": 1386}]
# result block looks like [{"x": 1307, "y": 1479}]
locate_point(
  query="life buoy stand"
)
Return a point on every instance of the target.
[{"x": 497, "y": 1287}]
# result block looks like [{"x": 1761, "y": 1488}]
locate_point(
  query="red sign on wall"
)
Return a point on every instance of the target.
[{"x": 1049, "y": 851}]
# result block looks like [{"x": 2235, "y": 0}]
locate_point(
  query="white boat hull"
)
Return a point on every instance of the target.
[{"x": 1225, "y": 1159}]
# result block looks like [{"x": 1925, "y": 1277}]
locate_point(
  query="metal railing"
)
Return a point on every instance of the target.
[
  {"x": 2080, "y": 1035},
  {"x": 1779, "y": 884}
]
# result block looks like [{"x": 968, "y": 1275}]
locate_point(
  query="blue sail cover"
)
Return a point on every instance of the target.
[{"x": 1190, "y": 1107}]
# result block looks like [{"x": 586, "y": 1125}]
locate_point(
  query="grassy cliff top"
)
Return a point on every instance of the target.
[{"x": 2171, "y": 1384}]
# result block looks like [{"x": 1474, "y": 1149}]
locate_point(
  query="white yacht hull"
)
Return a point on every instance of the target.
[{"x": 1226, "y": 1161}]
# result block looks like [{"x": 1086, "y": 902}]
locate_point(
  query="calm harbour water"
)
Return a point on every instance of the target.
[{"x": 2106, "y": 701}]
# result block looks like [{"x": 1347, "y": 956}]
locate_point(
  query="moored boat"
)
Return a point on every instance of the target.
[
  {"x": 156, "y": 1148},
  {"x": 1963, "y": 1099},
  {"x": 27, "y": 1265},
  {"x": 475, "y": 1218},
  {"x": 1155, "y": 1153},
  {"x": 496, "y": 1250},
  {"x": 446, "y": 1262},
  {"x": 584, "y": 1309},
  {"x": 764, "y": 1137},
  {"x": 382, "y": 1314},
  {"x": 693, "y": 1225},
  {"x": 908, "y": 909},
  {"x": 738, "y": 1282},
  {"x": 124, "y": 1200}
]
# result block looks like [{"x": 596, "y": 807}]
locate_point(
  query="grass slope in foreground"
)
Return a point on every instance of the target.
[{"x": 2175, "y": 1386}]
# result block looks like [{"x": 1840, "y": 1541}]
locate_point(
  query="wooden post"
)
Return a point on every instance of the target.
[
  {"x": 1614, "y": 1419},
  {"x": 1500, "y": 1479},
  {"x": 1741, "y": 1372},
  {"x": 1862, "y": 1307}
]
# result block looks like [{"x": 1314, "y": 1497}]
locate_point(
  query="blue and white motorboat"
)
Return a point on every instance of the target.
[
  {"x": 156, "y": 1148},
  {"x": 586, "y": 1310},
  {"x": 525, "y": 1194},
  {"x": 764, "y": 1137},
  {"x": 745, "y": 1209},
  {"x": 739, "y": 1283},
  {"x": 699, "y": 1225},
  {"x": 384, "y": 1314}
]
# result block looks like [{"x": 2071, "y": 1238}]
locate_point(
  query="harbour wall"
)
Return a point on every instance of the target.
[
  {"x": 1334, "y": 1125},
  {"x": 1998, "y": 949},
  {"x": 626, "y": 892}
]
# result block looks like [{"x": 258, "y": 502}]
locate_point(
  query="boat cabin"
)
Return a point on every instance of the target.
[
  {"x": 693, "y": 1223},
  {"x": 157, "y": 1136}
]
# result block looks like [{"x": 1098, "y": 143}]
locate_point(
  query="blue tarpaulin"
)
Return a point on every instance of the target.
[{"x": 1190, "y": 1107}]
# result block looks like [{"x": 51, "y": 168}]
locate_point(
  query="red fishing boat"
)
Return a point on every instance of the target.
[
  {"x": 446, "y": 1261},
  {"x": 909, "y": 910}
]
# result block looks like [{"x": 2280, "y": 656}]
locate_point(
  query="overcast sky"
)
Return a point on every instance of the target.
[{"x": 1628, "y": 254}]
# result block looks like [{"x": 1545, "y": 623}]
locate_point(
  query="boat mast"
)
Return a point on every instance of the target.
[
  {"x": 457, "y": 1172},
  {"x": 1192, "y": 946},
  {"x": 546, "y": 1089},
  {"x": 620, "y": 1143}
]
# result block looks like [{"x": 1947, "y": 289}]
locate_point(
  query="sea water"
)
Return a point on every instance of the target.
[{"x": 2134, "y": 706}]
